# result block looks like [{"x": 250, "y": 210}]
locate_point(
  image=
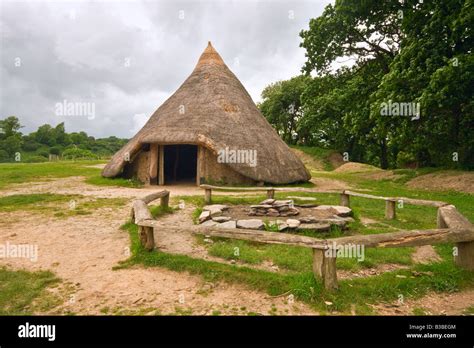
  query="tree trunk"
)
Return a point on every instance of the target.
[{"x": 383, "y": 154}]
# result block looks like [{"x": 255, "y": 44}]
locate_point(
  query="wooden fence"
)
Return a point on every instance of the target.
[{"x": 452, "y": 227}]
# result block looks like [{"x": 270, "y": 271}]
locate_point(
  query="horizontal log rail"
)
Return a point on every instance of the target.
[
  {"x": 399, "y": 239},
  {"x": 411, "y": 201},
  {"x": 453, "y": 227},
  {"x": 390, "y": 202},
  {"x": 269, "y": 190}
]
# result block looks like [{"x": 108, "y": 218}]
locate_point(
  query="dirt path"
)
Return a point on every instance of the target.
[
  {"x": 431, "y": 304},
  {"x": 82, "y": 250},
  {"x": 76, "y": 185}
]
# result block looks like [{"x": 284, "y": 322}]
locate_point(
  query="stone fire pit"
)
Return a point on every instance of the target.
[{"x": 305, "y": 217}]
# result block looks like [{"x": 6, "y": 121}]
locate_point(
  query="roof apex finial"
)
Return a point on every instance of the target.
[{"x": 210, "y": 56}]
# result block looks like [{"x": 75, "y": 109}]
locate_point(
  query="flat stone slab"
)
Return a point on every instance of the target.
[
  {"x": 282, "y": 202},
  {"x": 228, "y": 224},
  {"x": 209, "y": 223},
  {"x": 320, "y": 227},
  {"x": 293, "y": 223},
  {"x": 215, "y": 206},
  {"x": 221, "y": 218},
  {"x": 252, "y": 224},
  {"x": 337, "y": 209},
  {"x": 303, "y": 198},
  {"x": 267, "y": 201},
  {"x": 205, "y": 215},
  {"x": 261, "y": 206},
  {"x": 308, "y": 220}
]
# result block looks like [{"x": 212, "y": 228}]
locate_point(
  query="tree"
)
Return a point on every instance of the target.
[
  {"x": 368, "y": 33},
  {"x": 406, "y": 52},
  {"x": 60, "y": 136},
  {"x": 434, "y": 68},
  {"x": 281, "y": 106},
  {"x": 359, "y": 30},
  {"x": 10, "y": 137},
  {"x": 9, "y": 126},
  {"x": 44, "y": 135}
]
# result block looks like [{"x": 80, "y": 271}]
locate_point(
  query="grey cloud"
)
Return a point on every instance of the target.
[{"x": 128, "y": 57}]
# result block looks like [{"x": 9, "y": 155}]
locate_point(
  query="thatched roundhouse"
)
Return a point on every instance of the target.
[{"x": 208, "y": 131}]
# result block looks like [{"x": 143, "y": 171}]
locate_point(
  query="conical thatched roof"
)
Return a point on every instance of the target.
[{"x": 218, "y": 113}]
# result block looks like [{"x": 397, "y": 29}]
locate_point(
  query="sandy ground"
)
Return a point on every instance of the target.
[
  {"x": 432, "y": 304},
  {"x": 82, "y": 250}
]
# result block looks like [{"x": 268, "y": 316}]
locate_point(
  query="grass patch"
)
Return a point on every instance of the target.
[
  {"x": 359, "y": 292},
  {"x": 122, "y": 182},
  {"x": 318, "y": 154},
  {"x": 57, "y": 204},
  {"x": 157, "y": 210},
  {"x": 14, "y": 173},
  {"x": 20, "y": 290}
]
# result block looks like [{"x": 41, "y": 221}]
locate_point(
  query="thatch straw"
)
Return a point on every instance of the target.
[{"x": 218, "y": 113}]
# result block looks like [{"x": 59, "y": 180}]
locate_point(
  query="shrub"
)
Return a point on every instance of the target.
[
  {"x": 31, "y": 146},
  {"x": 4, "y": 156},
  {"x": 406, "y": 160},
  {"x": 75, "y": 153},
  {"x": 36, "y": 159},
  {"x": 42, "y": 153},
  {"x": 55, "y": 150}
]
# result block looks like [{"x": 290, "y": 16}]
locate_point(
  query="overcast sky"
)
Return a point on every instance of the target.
[{"x": 125, "y": 58}]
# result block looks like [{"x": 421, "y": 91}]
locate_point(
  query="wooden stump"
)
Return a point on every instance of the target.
[
  {"x": 270, "y": 193},
  {"x": 208, "y": 196},
  {"x": 345, "y": 200},
  {"x": 465, "y": 255},
  {"x": 325, "y": 268},
  {"x": 164, "y": 201},
  {"x": 390, "y": 209},
  {"x": 147, "y": 238},
  {"x": 142, "y": 235}
]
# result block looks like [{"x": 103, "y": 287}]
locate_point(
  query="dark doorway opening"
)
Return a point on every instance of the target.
[{"x": 180, "y": 163}]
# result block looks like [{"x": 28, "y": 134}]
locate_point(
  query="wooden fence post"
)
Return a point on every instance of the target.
[
  {"x": 325, "y": 267},
  {"x": 270, "y": 193},
  {"x": 345, "y": 200},
  {"x": 147, "y": 238},
  {"x": 164, "y": 201},
  {"x": 465, "y": 255},
  {"x": 449, "y": 216},
  {"x": 153, "y": 164},
  {"x": 390, "y": 209},
  {"x": 208, "y": 196}
]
